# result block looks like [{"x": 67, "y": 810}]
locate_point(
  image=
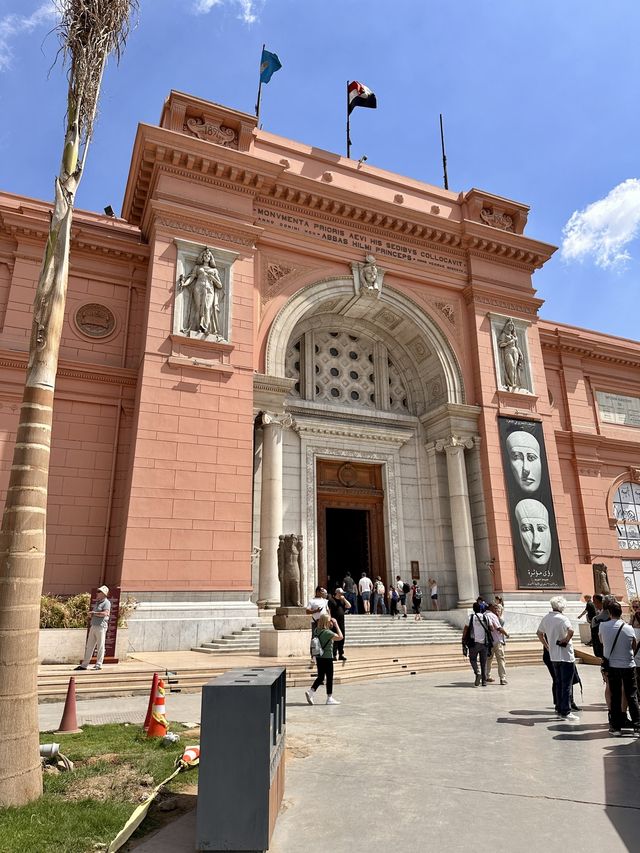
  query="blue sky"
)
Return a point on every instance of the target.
[{"x": 540, "y": 99}]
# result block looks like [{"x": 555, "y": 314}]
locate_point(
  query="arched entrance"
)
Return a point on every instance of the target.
[{"x": 363, "y": 380}]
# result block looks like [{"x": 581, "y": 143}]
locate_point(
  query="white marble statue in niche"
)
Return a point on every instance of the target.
[{"x": 203, "y": 292}]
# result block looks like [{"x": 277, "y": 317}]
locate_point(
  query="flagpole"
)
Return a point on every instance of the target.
[
  {"x": 348, "y": 137},
  {"x": 259, "y": 86},
  {"x": 444, "y": 156}
]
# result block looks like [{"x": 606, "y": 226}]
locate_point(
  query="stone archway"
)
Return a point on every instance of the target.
[{"x": 420, "y": 448}]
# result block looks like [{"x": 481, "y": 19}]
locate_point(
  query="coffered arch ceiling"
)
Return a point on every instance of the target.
[{"x": 419, "y": 355}]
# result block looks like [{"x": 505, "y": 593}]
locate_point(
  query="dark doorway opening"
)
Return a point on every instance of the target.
[{"x": 348, "y": 548}]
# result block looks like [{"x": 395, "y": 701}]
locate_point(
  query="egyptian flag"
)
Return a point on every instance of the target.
[{"x": 360, "y": 96}]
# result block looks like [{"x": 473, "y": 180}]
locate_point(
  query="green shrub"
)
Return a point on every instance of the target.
[{"x": 73, "y": 612}]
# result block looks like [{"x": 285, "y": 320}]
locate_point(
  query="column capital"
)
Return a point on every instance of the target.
[
  {"x": 453, "y": 444},
  {"x": 281, "y": 419}
]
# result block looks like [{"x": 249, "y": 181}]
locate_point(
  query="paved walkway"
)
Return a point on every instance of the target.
[{"x": 432, "y": 762}]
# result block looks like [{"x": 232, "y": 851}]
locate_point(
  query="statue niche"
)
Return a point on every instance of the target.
[
  {"x": 290, "y": 570},
  {"x": 512, "y": 357},
  {"x": 202, "y": 293}
]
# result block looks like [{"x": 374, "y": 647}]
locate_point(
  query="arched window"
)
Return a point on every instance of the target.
[{"x": 626, "y": 512}]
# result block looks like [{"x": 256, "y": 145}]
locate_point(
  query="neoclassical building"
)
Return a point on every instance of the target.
[{"x": 276, "y": 339}]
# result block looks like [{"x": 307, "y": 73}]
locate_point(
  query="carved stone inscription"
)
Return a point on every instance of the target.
[{"x": 358, "y": 240}]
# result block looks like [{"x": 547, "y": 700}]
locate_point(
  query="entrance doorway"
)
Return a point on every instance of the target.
[
  {"x": 350, "y": 521},
  {"x": 348, "y": 550}
]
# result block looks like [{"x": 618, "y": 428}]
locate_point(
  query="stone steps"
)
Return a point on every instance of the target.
[
  {"x": 360, "y": 631},
  {"x": 53, "y": 681}
]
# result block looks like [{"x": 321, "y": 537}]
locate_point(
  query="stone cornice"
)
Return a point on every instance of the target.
[
  {"x": 322, "y": 429},
  {"x": 589, "y": 345},
  {"x": 158, "y": 149},
  {"x": 215, "y": 225},
  {"x": 583, "y": 445},
  {"x": 75, "y": 370},
  {"x": 90, "y": 233}
]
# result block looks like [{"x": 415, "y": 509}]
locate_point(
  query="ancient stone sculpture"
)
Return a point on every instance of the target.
[
  {"x": 290, "y": 572},
  {"x": 367, "y": 277},
  {"x": 601, "y": 579},
  {"x": 512, "y": 357},
  {"x": 205, "y": 291}
]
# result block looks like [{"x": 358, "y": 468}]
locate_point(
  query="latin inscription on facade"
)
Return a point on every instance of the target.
[
  {"x": 618, "y": 409},
  {"x": 355, "y": 239}
]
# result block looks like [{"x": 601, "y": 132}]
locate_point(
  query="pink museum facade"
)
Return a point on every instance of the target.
[{"x": 358, "y": 358}]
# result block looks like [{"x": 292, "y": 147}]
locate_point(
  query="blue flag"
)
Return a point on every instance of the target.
[{"x": 269, "y": 64}]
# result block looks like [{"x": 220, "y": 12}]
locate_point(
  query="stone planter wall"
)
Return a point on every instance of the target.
[{"x": 66, "y": 645}]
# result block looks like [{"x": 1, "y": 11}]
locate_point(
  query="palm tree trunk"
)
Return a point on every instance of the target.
[{"x": 22, "y": 537}]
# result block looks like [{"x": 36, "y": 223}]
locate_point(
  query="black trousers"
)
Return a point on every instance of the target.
[
  {"x": 619, "y": 680},
  {"x": 325, "y": 670}
]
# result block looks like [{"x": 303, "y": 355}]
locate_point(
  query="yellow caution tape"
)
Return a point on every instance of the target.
[{"x": 140, "y": 812}]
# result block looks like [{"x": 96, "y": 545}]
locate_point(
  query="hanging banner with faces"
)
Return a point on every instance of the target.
[{"x": 533, "y": 521}]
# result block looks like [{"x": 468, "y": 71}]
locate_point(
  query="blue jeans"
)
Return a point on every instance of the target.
[
  {"x": 378, "y": 598},
  {"x": 564, "y": 680},
  {"x": 353, "y": 601}
]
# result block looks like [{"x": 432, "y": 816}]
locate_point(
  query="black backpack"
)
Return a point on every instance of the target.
[{"x": 406, "y": 588}]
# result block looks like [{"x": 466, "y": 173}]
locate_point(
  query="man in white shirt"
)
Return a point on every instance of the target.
[
  {"x": 364, "y": 588},
  {"x": 318, "y": 605},
  {"x": 476, "y": 636},
  {"x": 555, "y": 633},
  {"x": 619, "y": 642}
]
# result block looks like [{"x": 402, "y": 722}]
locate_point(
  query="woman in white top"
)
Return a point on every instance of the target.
[{"x": 433, "y": 592}]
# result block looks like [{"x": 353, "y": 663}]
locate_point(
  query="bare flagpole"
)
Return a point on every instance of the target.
[
  {"x": 259, "y": 85},
  {"x": 348, "y": 137},
  {"x": 444, "y": 156}
]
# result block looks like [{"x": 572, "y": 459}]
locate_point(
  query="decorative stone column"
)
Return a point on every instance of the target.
[
  {"x": 271, "y": 507},
  {"x": 462, "y": 528}
]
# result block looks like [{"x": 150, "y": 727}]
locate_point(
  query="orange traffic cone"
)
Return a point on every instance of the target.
[
  {"x": 69, "y": 722},
  {"x": 158, "y": 721},
  {"x": 152, "y": 696},
  {"x": 189, "y": 758}
]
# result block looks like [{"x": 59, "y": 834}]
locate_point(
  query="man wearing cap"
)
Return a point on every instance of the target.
[{"x": 97, "y": 629}]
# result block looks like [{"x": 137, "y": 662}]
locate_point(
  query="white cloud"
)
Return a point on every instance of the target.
[
  {"x": 248, "y": 8},
  {"x": 13, "y": 25},
  {"x": 604, "y": 229}
]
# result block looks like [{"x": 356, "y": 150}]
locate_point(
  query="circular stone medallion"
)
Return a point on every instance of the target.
[
  {"x": 347, "y": 475},
  {"x": 94, "y": 320}
]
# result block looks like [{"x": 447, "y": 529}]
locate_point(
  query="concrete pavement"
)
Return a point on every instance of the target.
[{"x": 430, "y": 761}]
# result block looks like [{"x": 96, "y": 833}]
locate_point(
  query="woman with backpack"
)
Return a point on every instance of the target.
[
  {"x": 416, "y": 601},
  {"x": 328, "y": 630}
]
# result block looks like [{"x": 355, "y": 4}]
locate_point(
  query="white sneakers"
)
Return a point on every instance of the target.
[
  {"x": 570, "y": 718},
  {"x": 309, "y": 694}
]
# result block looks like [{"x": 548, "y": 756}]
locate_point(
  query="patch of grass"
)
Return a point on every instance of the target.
[{"x": 90, "y": 805}]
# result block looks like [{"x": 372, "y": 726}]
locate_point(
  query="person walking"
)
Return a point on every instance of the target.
[
  {"x": 365, "y": 588},
  {"x": 555, "y": 633},
  {"x": 416, "y": 601},
  {"x": 349, "y": 587},
  {"x": 378, "y": 597},
  {"x": 477, "y": 638},
  {"x": 601, "y": 615},
  {"x": 433, "y": 592},
  {"x": 97, "y": 630},
  {"x": 498, "y": 637},
  {"x": 403, "y": 588},
  {"x": 619, "y": 646},
  {"x": 328, "y": 633},
  {"x": 338, "y": 607}
]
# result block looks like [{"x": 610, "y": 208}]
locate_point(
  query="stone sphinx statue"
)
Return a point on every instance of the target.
[{"x": 290, "y": 570}]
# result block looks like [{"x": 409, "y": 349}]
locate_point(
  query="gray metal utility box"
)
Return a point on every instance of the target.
[{"x": 242, "y": 743}]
